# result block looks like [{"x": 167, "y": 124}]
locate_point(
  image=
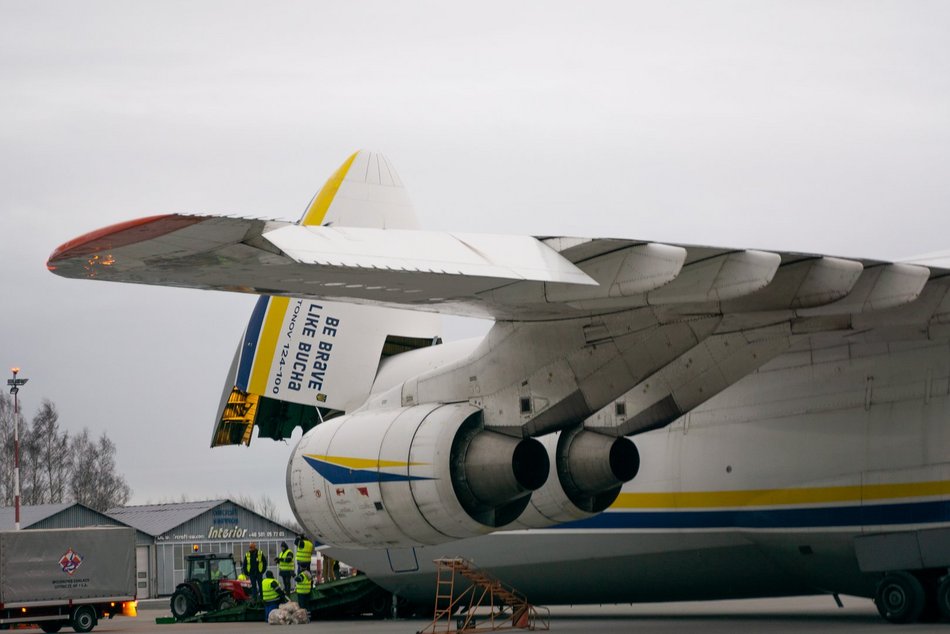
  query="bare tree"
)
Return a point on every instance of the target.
[
  {"x": 268, "y": 509},
  {"x": 94, "y": 480},
  {"x": 32, "y": 484},
  {"x": 247, "y": 502},
  {"x": 53, "y": 448},
  {"x": 264, "y": 506}
]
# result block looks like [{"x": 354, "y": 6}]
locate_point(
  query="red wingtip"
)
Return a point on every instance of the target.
[{"x": 118, "y": 235}]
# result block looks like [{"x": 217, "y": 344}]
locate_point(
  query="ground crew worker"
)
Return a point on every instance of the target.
[
  {"x": 285, "y": 562},
  {"x": 304, "y": 587},
  {"x": 255, "y": 563},
  {"x": 271, "y": 593},
  {"x": 304, "y": 552}
]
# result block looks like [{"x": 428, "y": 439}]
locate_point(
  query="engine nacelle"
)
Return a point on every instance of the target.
[
  {"x": 411, "y": 476},
  {"x": 587, "y": 472}
]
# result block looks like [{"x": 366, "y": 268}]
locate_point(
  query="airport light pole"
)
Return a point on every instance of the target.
[{"x": 15, "y": 384}]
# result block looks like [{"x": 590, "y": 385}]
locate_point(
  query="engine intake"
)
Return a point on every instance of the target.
[{"x": 411, "y": 476}]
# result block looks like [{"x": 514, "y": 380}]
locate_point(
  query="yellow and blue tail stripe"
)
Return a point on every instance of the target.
[
  {"x": 260, "y": 343},
  {"x": 249, "y": 346},
  {"x": 263, "y": 329},
  {"x": 816, "y": 507},
  {"x": 348, "y": 470}
]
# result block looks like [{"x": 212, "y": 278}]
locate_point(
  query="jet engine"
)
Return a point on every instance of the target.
[
  {"x": 410, "y": 476},
  {"x": 588, "y": 470}
]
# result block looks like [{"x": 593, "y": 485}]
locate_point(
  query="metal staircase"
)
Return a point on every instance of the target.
[{"x": 479, "y": 602}]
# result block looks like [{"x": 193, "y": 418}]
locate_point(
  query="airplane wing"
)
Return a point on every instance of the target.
[
  {"x": 678, "y": 324},
  {"x": 505, "y": 277}
]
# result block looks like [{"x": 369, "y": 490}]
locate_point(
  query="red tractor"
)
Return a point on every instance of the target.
[{"x": 211, "y": 583}]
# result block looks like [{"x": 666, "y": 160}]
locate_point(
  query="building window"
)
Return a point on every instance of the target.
[{"x": 179, "y": 557}]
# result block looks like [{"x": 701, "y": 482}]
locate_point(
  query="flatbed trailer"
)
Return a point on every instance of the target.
[{"x": 350, "y": 596}]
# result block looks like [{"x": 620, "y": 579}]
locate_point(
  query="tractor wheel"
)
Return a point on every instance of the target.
[
  {"x": 84, "y": 618},
  {"x": 183, "y": 604},
  {"x": 225, "y": 602}
]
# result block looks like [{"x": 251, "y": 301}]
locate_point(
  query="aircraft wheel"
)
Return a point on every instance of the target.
[
  {"x": 900, "y": 597},
  {"x": 84, "y": 619},
  {"x": 381, "y": 605},
  {"x": 183, "y": 604},
  {"x": 943, "y": 597}
]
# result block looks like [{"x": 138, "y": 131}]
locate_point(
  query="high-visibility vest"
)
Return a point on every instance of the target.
[
  {"x": 285, "y": 560},
  {"x": 305, "y": 550},
  {"x": 250, "y": 564},
  {"x": 269, "y": 589},
  {"x": 304, "y": 585}
]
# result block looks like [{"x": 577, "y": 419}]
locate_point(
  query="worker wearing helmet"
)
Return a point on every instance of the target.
[{"x": 255, "y": 563}]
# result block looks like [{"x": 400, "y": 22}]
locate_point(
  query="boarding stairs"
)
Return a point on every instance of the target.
[{"x": 479, "y": 602}]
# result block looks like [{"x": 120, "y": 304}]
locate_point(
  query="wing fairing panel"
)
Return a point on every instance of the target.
[
  {"x": 879, "y": 287},
  {"x": 501, "y": 256}
]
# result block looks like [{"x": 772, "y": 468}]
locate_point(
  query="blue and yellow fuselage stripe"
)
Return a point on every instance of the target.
[
  {"x": 807, "y": 507},
  {"x": 777, "y": 497},
  {"x": 349, "y": 470}
]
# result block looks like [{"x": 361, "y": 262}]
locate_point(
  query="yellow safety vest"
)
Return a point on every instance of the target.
[
  {"x": 285, "y": 560},
  {"x": 250, "y": 564},
  {"x": 304, "y": 585},
  {"x": 269, "y": 587},
  {"x": 305, "y": 551}
]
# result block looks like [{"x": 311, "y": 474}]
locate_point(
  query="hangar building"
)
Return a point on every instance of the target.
[
  {"x": 217, "y": 526},
  {"x": 166, "y": 533}
]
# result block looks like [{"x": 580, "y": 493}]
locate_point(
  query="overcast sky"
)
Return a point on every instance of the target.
[{"x": 812, "y": 126}]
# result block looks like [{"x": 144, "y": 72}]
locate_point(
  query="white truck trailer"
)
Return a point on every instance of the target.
[{"x": 69, "y": 576}]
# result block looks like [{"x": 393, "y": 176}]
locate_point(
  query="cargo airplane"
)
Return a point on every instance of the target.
[{"x": 642, "y": 422}]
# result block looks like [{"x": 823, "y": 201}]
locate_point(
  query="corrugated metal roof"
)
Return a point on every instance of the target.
[
  {"x": 158, "y": 519},
  {"x": 29, "y": 515}
]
